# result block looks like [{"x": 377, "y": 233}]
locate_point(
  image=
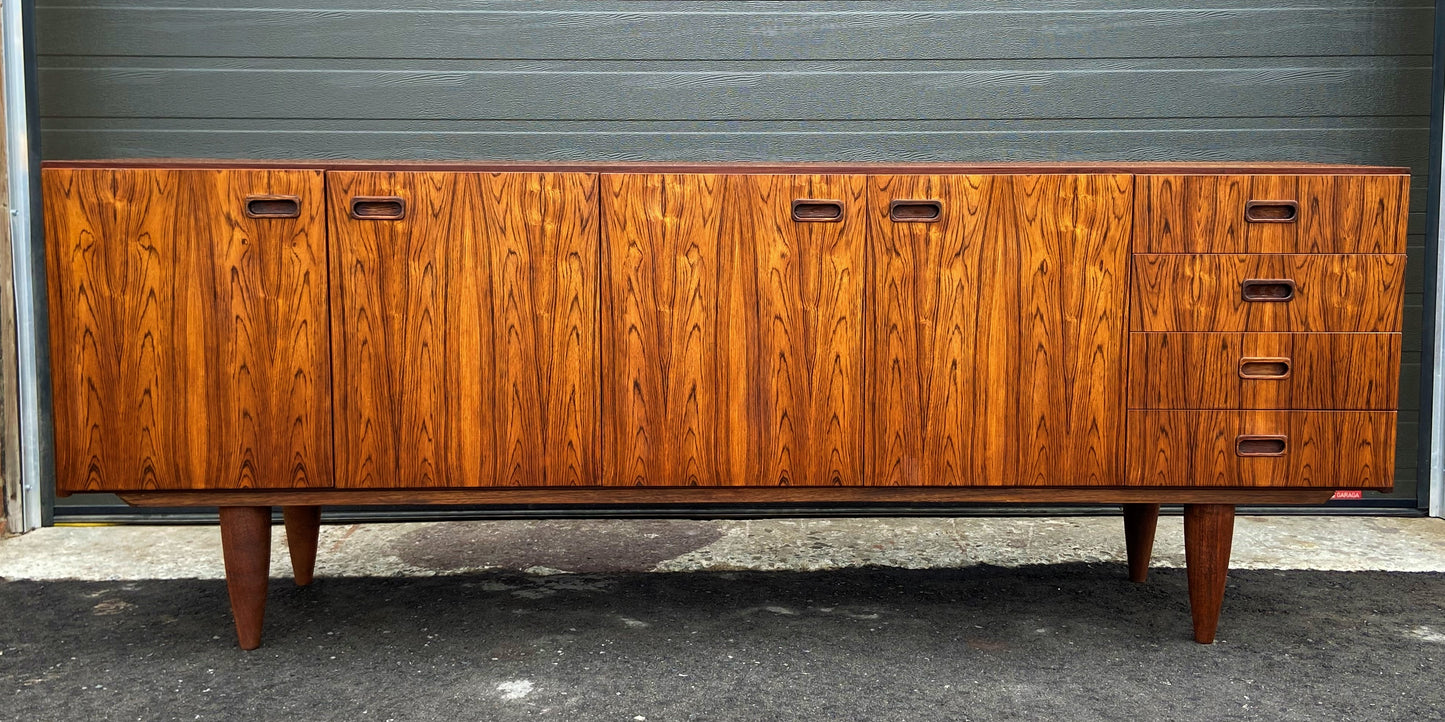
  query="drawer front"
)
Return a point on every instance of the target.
[
  {"x": 1299, "y": 293},
  {"x": 1271, "y": 213},
  {"x": 1319, "y": 449},
  {"x": 188, "y": 328},
  {"x": 1305, "y": 371}
]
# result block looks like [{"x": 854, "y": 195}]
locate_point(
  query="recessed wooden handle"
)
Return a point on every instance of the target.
[
  {"x": 1267, "y": 290},
  {"x": 378, "y": 208},
  {"x": 813, "y": 210},
  {"x": 270, "y": 206},
  {"x": 1260, "y": 445},
  {"x": 1271, "y": 211},
  {"x": 1264, "y": 369},
  {"x": 903, "y": 211}
]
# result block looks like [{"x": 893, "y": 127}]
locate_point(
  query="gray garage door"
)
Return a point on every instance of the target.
[{"x": 1319, "y": 80}]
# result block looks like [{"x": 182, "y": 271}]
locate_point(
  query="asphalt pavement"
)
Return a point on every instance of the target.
[{"x": 1066, "y": 641}]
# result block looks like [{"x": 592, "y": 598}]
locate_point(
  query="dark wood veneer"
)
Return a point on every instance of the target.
[
  {"x": 1295, "y": 212},
  {"x": 733, "y": 334},
  {"x": 188, "y": 339},
  {"x": 737, "y": 495},
  {"x": 520, "y": 333},
  {"x": 1326, "y": 449},
  {"x": 465, "y": 337},
  {"x": 1300, "y": 371},
  {"x": 997, "y": 333},
  {"x": 1332, "y": 293}
]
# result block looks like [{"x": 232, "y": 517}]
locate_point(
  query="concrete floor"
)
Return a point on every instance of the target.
[
  {"x": 546, "y": 547},
  {"x": 1325, "y": 618}
]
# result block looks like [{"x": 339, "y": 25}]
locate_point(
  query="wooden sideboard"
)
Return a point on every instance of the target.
[{"x": 256, "y": 334}]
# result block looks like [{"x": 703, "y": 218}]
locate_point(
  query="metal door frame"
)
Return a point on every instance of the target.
[
  {"x": 36, "y": 472},
  {"x": 1431, "y": 464}
]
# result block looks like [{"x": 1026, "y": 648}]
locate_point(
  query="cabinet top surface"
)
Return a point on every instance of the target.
[{"x": 1181, "y": 168}]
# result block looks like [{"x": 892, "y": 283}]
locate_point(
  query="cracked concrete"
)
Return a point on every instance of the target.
[{"x": 608, "y": 546}]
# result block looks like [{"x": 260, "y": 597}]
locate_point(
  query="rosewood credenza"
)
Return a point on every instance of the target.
[{"x": 256, "y": 334}]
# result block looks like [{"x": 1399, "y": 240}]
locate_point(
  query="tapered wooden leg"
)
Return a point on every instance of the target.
[
  {"x": 1208, "y": 533},
  {"x": 1140, "y": 520},
  {"x": 246, "y": 545},
  {"x": 303, "y": 525}
]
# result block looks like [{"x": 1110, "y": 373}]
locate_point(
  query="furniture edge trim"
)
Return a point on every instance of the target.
[
  {"x": 1108, "y": 167},
  {"x": 608, "y": 496}
]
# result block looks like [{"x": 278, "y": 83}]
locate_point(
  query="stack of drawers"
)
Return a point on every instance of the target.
[{"x": 1265, "y": 319}]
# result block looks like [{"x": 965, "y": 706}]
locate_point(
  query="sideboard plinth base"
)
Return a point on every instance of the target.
[{"x": 603, "y": 496}]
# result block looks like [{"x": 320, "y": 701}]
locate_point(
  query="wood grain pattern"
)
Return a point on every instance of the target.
[
  {"x": 1353, "y": 214},
  {"x": 1337, "y": 214},
  {"x": 1327, "y": 371},
  {"x": 997, "y": 333},
  {"x": 188, "y": 342},
  {"x": 472, "y": 338},
  {"x": 466, "y": 333},
  {"x": 732, "y": 333},
  {"x": 691, "y": 496},
  {"x": 1335, "y": 293},
  {"x": 1326, "y": 449}
]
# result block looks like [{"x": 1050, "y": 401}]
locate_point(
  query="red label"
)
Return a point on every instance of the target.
[{"x": 1342, "y": 494}]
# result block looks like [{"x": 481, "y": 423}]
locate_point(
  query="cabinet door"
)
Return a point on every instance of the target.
[
  {"x": 733, "y": 327},
  {"x": 465, "y": 340},
  {"x": 188, "y": 329},
  {"x": 996, "y": 329}
]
